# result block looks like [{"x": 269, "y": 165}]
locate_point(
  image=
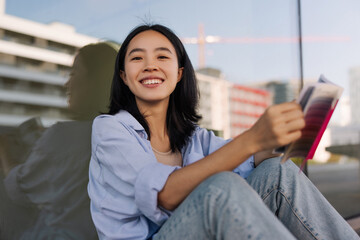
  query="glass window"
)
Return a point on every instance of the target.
[{"x": 330, "y": 47}]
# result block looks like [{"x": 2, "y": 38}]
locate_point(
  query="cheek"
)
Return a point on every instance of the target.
[
  {"x": 131, "y": 74},
  {"x": 172, "y": 68}
]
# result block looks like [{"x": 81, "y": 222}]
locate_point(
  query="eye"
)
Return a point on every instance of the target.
[
  {"x": 163, "y": 57},
  {"x": 135, "y": 59}
]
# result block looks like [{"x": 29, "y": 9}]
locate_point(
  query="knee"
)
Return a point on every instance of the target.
[
  {"x": 225, "y": 180},
  {"x": 271, "y": 164},
  {"x": 226, "y": 183},
  {"x": 274, "y": 167},
  {"x": 272, "y": 173},
  {"x": 227, "y": 189}
]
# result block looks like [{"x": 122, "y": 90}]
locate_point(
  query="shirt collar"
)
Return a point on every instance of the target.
[{"x": 129, "y": 120}]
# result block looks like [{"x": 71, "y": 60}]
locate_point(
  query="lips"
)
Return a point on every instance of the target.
[{"x": 151, "y": 80}]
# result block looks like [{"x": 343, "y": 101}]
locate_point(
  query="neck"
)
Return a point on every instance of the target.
[{"x": 155, "y": 115}]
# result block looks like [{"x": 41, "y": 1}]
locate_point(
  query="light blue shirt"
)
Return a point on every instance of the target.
[{"x": 125, "y": 177}]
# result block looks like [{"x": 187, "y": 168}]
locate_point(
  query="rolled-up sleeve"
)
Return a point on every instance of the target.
[
  {"x": 147, "y": 187},
  {"x": 124, "y": 181}
]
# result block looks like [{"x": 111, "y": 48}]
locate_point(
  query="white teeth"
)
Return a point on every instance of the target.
[{"x": 151, "y": 81}]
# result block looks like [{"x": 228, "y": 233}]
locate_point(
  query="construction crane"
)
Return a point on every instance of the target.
[{"x": 202, "y": 39}]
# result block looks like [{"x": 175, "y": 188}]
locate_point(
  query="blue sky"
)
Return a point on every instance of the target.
[{"x": 241, "y": 63}]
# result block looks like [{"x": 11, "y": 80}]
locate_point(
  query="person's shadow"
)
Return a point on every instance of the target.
[{"x": 43, "y": 194}]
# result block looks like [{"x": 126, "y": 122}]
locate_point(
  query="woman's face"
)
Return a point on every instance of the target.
[{"x": 151, "y": 68}]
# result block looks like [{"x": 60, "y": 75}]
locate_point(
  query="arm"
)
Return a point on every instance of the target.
[{"x": 278, "y": 126}]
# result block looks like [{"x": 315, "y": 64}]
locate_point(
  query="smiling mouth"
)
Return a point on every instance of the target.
[{"x": 151, "y": 81}]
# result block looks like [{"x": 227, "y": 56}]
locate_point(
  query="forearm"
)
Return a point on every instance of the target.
[
  {"x": 278, "y": 126},
  {"x": 183, "y": 181}
]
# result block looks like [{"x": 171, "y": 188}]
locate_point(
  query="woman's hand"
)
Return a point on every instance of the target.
[{"x": 279, "y": 125}]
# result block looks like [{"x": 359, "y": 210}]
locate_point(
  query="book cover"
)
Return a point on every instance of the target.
[{"x": 318, "y": 102}]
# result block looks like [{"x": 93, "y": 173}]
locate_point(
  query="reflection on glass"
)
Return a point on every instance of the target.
[
  {"x": 335, "y": 168},
  {"x": 44, "y": 192}
]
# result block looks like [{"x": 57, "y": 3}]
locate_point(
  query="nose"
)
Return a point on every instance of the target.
[{"x": 151, "y": 68}]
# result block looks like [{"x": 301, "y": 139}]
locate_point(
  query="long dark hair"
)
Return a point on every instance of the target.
[{"x": 182, "y": 115}]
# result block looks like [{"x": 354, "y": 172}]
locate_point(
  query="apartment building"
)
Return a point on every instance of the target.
[
  {"x": 35, "y": 61},
  {"x": 214, "y": 103},
  {"x": 226, "y": 107},
  {"x": 247, "y": 104},
  {"x": 354, "y": 94},
  {"x": 281, "y": 90}
]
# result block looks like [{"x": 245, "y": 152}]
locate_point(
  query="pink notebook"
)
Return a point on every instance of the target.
[{"x": 318, "y": 102}]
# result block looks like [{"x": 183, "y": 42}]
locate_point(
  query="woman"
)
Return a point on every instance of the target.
[{"x": 155, "y": 174}]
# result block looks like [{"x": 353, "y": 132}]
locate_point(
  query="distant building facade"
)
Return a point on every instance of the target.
[
  {"x": 344, "y": 135},
  {"x": 35, "y": 61},
  {"x": 345, "y": 132},
  {"x": 354, "y": 94},
  {"x": 228, "y": 108},
  {"x": 281, "y": 90},
  {"x": 214, "y": 104},
  {"x": 247, "y": 104}
]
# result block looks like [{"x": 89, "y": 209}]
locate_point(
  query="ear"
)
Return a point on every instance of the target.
[
  {"x": 123, "y": 76},
  {"x": 180, "y": 73}
]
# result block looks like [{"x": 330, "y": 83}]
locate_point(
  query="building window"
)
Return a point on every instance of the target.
[{"x": 18, "y": 37}]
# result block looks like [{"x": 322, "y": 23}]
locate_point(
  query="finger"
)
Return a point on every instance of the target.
[
  {"x": 295, "y": 125},
  {"x": 280, "y": 120},
  {"x": 288, "y": 106},
  {"x": 288, "y": 138},
  {"x": 293, "y": 136},
  {"x": 279, "y": 109},
  {"x": 292, "y": 115}
]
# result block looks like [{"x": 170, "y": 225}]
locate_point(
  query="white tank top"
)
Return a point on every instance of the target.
[{"x": 168, "y": 158}]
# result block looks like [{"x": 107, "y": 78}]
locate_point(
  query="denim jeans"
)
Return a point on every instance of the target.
[{"x": 275, "y": 202}]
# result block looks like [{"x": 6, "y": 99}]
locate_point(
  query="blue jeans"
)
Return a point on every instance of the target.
[{"x": 275, "y": 202}]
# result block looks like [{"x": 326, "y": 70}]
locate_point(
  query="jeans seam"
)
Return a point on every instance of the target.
[
  {"x": 275, "y": 187},
  {"x": 282, "y": 192}
]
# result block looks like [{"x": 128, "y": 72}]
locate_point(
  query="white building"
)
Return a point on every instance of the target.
[
  {"x": 354, "y": 94},
  {"x": 342, "y": 113},
  {"x": 247, "y": 104},
  {"x": 226, "y": 107},
  {"x": 281, "y": 90},
  {"x": 214, "y": 103},
  {"x": 35, "y": 60}
]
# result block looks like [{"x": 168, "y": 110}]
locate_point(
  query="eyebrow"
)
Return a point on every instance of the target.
[{"x": 143, "y": 50}]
